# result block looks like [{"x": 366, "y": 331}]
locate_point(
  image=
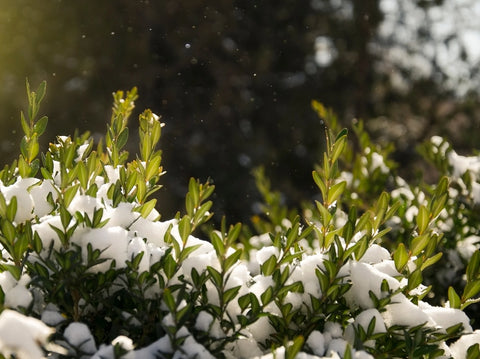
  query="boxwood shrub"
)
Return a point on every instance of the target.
[{"x": 373, "y": 267}]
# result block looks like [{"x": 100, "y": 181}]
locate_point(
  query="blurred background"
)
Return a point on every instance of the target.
[{"x": 233, "y": 80}]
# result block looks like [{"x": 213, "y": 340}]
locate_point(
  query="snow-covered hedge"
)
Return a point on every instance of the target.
[{"x": 89, "y": 269}]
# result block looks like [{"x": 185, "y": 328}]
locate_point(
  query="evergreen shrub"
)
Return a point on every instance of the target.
[{"x": 375, "y": 267}]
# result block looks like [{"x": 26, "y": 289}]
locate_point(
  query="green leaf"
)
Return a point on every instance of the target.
[
  {"x": 392, "y": 210},
  {"x": 382, "y": 233},
  {"x": 12, "y": 209},
  {"x": 430, "y": 261},
  {"x": 82, "y": 174},
  {"x": 419, "y": 243},
  {"x": 324, "y": 213},
  {"x": 292, "y": 234},
  {"x": 320, "y": 184},
  {"x": 25, "y": 126},
  {"x": 335, "y": 191},
  {"x": 233, "y": 233},
  {"x": 454, "y": 330},
  {"x": 453, "y": 298},
  {"x": 341, "y": 134},
  {"x": 361, "y": 248},
  {"x": 232, "y": 259},
  {"x": 201, "y": 212},
  {"x": 152, "y": 168},
  {"x": 414, "y": 279},
  {"x": 471, "y": 290},
  {"x": 46, "y": 174},
  {"x": 169, "y": 300},
  {"x": 473, "y": 266},
  {"x": 122, "y": 138},
  {"x": 230, "y": 294},
  {"x": 363, "y": 222},
  {"x": 97, "y": 217},
  {"x": 255, "y": 305},
  {"x": 183, "y": 314},
  {"x": 194, "y": 191},
  {"x": 438, "y": 204},
  {"x": 15, "y": 271},
  {"x": 338, "y": 147},
  {"x": 286, "y": 309},
  {"x": 170, "y": 266},
  {"x": 296, "y": 287},
  {"x": 323, "y": 280},
  {"x": 208, "y": 189},
  {"x": 244, "y": 301},
  {"x": 92, "y": 190},
  {"x": 217, "y": 243},
  {"x": 3, "y": 205},
  {"x": 187, "y": 251},
  {"x": 381, "y": 209},
  {"x": 268, "y": 267},
  {"x": 216, "y": 276},
  {"x": 146, "y": 208},
  {"x": 8, "y": 230},
  {"x": 37, "y": 243},
  {"x": 267, "y": 296},
  {"x": 41, "y": 125},
  {"x": 70, "y": 194},
  {"x": 41, "y": 270},
  {"x": 442, "y": 186},
  {"x": 348, "y": 352},
  {"x": 326, "y": 166},
  {"x": 184, "y": 228},
  {"x": 40, "y": 93},
  {"x": 34, "y": 166},
  {"x": 422, "y": 219},
  {"x": 141, "y": 189},
  {"x": 293, "y": 349},
  {"x": 400, "y": 257},
  {"x": 65, "y": 217},
  {"x": 473, "y": 352},
  {"x": 21, "y": 246},
  {"x": 70, "y": 153},
  {"x": 189, "y": 204},
  {"x": 32, "y": 148},
  {"x": 131, "y": 180},
  {"x": 348, "y": 231}
]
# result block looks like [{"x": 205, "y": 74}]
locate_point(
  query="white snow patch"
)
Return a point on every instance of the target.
[
  {"x": 446, "y": 317},
  {"x": 52, "y": 316},
  {"x": 261, "y": 329},
  {"x": 367, "y": 278},
  {"x": 85, "y": 205},
  {"x": 16, "y": 293},
  {"x": 46, "y": 232},
  {"x": 22, "y": 336},
  {"x": 337, "y": 345},
  {"x": 462, "y": 164},
  {"x": 460, "y": 347},
  {"x": 124, "y": 342},
  {"x": 122, "y": 215},
  {"x": 375, "y": 254},
  {"x": 316, "y": 342},
  {"x": 403, "y": 312},
  {"x": 365, "y": 317},
  {"x": 78, "y": 335},
  {"x": 153, "y": 231},
  {"x": 19, "y": 190},
  {"x": 468, "y": 246},
  {"x": 39, "y": 195},
  {"x": 190, "y": 347},
  {"x": 111, "y": 241}
]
